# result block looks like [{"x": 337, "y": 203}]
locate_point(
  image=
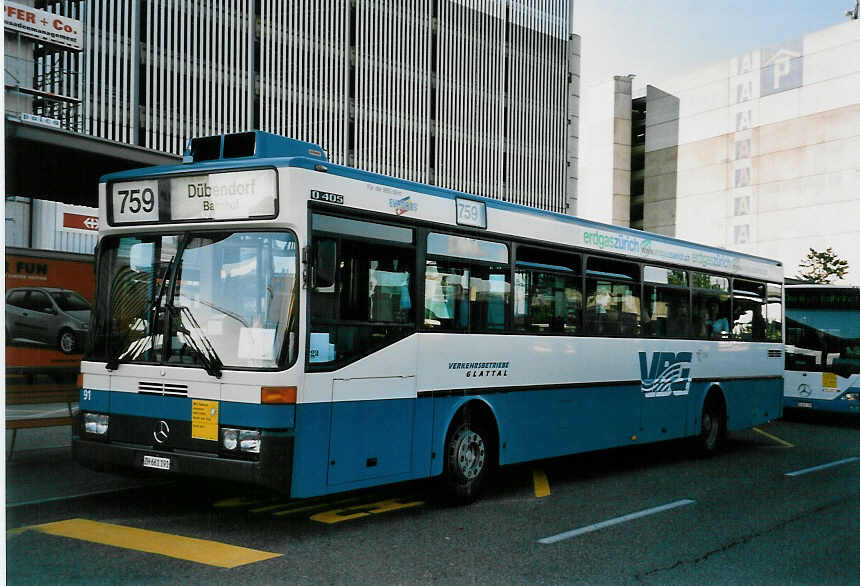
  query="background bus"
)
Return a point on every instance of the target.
[
  {"x": 822, "y": 352},
  {"x": 266, "y": 316}
]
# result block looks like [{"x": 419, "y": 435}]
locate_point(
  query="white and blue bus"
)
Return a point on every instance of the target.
[
  {"x": 822, "y": 348},
  {"x": 266, "y": 316}
]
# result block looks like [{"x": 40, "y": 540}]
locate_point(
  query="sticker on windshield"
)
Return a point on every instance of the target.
[{"x": 257, "y": 343}]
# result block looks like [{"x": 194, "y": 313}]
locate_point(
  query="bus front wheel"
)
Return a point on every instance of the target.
[{"x": 469, "y": 453}]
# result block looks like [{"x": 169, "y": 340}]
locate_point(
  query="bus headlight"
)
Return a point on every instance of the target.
[
  {"x": 96, "y": 423},
  {"x": 851, "y": 396},
  {"x": 229, "y": 438},
  {"x": 249, "y": 441},
  {"x": 245, "y": 440}
]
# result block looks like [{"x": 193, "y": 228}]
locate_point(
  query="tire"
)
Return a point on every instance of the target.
[
  {"x": 67, "y": 342},
  {"x": 713, "y": 432},
  {"x": 469, "y": 456}
]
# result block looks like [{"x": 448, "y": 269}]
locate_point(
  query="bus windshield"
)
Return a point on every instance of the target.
[
  {"x": 823, "y": 330},
  {"x": 211, "y": 300}
]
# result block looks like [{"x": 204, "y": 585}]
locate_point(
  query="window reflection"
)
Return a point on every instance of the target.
[{"x": 234, "y": 296}]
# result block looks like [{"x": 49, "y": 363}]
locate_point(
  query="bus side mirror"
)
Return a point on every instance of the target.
[{"x": 325, "y": 263}]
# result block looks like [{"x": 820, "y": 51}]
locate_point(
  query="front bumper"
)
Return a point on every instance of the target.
[{"x": 272, "y": 470}]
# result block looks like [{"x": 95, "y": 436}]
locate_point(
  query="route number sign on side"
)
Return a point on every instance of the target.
[{"x": 471, "y": 213}]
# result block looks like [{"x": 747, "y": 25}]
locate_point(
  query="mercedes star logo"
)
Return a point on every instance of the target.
[
  {"x": 162, "y": 430},
  {"x": 804, "y": 390}
]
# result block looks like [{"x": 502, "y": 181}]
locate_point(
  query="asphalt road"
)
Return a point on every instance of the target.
[{"x": 762, "y": 512}]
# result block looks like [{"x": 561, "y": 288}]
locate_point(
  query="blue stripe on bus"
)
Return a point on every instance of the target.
[
  {"x": 350, "y": 445},
  {"x": 355, "y": 444},
  {"x": 179, "y": 408}
]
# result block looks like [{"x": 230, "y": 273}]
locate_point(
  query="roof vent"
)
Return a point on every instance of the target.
[
  {"x": 205, "y": 148},
  {"x": 239, "y": 145},
  {"x": 256, "y": 144}
]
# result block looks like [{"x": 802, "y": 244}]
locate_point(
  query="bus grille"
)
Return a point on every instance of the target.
[
  {"x": 151, "y": 388},
  {"x": 774, "y": 353}
]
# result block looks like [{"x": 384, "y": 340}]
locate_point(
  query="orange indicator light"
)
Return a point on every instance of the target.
[{"x": 278, "y": 395}]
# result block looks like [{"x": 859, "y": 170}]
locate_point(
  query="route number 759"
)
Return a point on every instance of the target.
[
  {"x": 471, "y": 213},
  {"x": 135, "y": 201}
]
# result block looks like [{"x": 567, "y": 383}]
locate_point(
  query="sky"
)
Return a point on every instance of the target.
[{"x": 656, "y": 39}]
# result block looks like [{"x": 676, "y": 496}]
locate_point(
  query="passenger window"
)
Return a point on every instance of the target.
[
  {"x": 773, "y": 313},
  {"x": 446, "y": 296},
  {"x": 369, "y": 303},
  {"x": 465, "y": 297},
  {"x": 667, "y": 303},
  {"x": 711, "y": 307},
  {"x": 547, "y": 291},
  {"x": 612, "y": 293},
  {"x": 466, "y": 289},
  {"x": 749, "y": 311}
]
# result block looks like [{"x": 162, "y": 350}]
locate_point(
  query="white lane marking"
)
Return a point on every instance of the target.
[
  {"x": 615, "y": 521},
  {"x": 822, "y": 467}
]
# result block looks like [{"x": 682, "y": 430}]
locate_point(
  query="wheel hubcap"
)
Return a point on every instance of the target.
[
  {"x": 470, "y": 454},
  {"x": 67, "y": 342}
]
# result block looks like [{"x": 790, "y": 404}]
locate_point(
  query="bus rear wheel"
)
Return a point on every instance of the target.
[
  {"x": 713, "y": 430},
  {"x": 469, "y": 453}
]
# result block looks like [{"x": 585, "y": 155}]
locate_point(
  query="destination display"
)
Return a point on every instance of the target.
[{"x": 240, "y": 195}]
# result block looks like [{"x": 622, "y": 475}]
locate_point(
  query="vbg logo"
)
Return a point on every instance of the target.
[{"x": 668, "y": 374}]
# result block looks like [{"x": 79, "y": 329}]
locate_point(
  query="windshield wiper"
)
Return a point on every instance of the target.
[
  {"x": 155, "y": 309},
  {"x": 204, "y": 349}
]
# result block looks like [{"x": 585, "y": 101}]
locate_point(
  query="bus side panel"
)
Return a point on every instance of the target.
[
  {"x": 769, "y": 399},
  {"x": 370, "y": 440},
  {"x": 546, "y": 424},
  {"x": 750, "y": 402},
  {"x": 310, "y": 455},
  {"x": 536, "y": 424},
  {"x": 357, "y": 444},
  {"x": 665, "y": 418},
  {"x": 739, "y": 403}
]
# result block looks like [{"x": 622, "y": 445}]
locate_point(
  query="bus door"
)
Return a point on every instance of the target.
[
  {"x": 362, "y": 318},
  {"x": 371, "y": 437}
]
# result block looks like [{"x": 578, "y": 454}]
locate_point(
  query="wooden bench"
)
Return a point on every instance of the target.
[{"x": 38, "y": 394}]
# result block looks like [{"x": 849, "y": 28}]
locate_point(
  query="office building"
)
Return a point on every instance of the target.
[
  {"x": 758, "y": 153},
  {"x": 474, "y": 95}
]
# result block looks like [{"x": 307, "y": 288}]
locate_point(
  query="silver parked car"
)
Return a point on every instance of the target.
[{"x": 49, "y": 316}]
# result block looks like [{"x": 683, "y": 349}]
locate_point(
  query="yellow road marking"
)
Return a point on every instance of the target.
[
  {"x": 349, "y": 513},
  {"x": 541, "y": 483},
  {"x": 239, "y": 501},
  {"x": 774, "y": 438},
  {"x": 314, "y": 505},
  {"x": 185, "y": 548},
  {"x": 268, "y": 508}
]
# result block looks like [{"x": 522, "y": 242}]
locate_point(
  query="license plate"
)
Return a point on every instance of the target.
[
  {"x": 156, "y": 462},
  {"x": 804, "y": 404}
]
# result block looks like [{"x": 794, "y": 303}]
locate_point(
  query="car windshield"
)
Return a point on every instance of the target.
[
  {"x": 70, "y": 301},
  {"x": 197, "y": 299}
]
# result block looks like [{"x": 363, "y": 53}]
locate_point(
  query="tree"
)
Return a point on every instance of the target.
[{"x": 822, "y": 267}]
